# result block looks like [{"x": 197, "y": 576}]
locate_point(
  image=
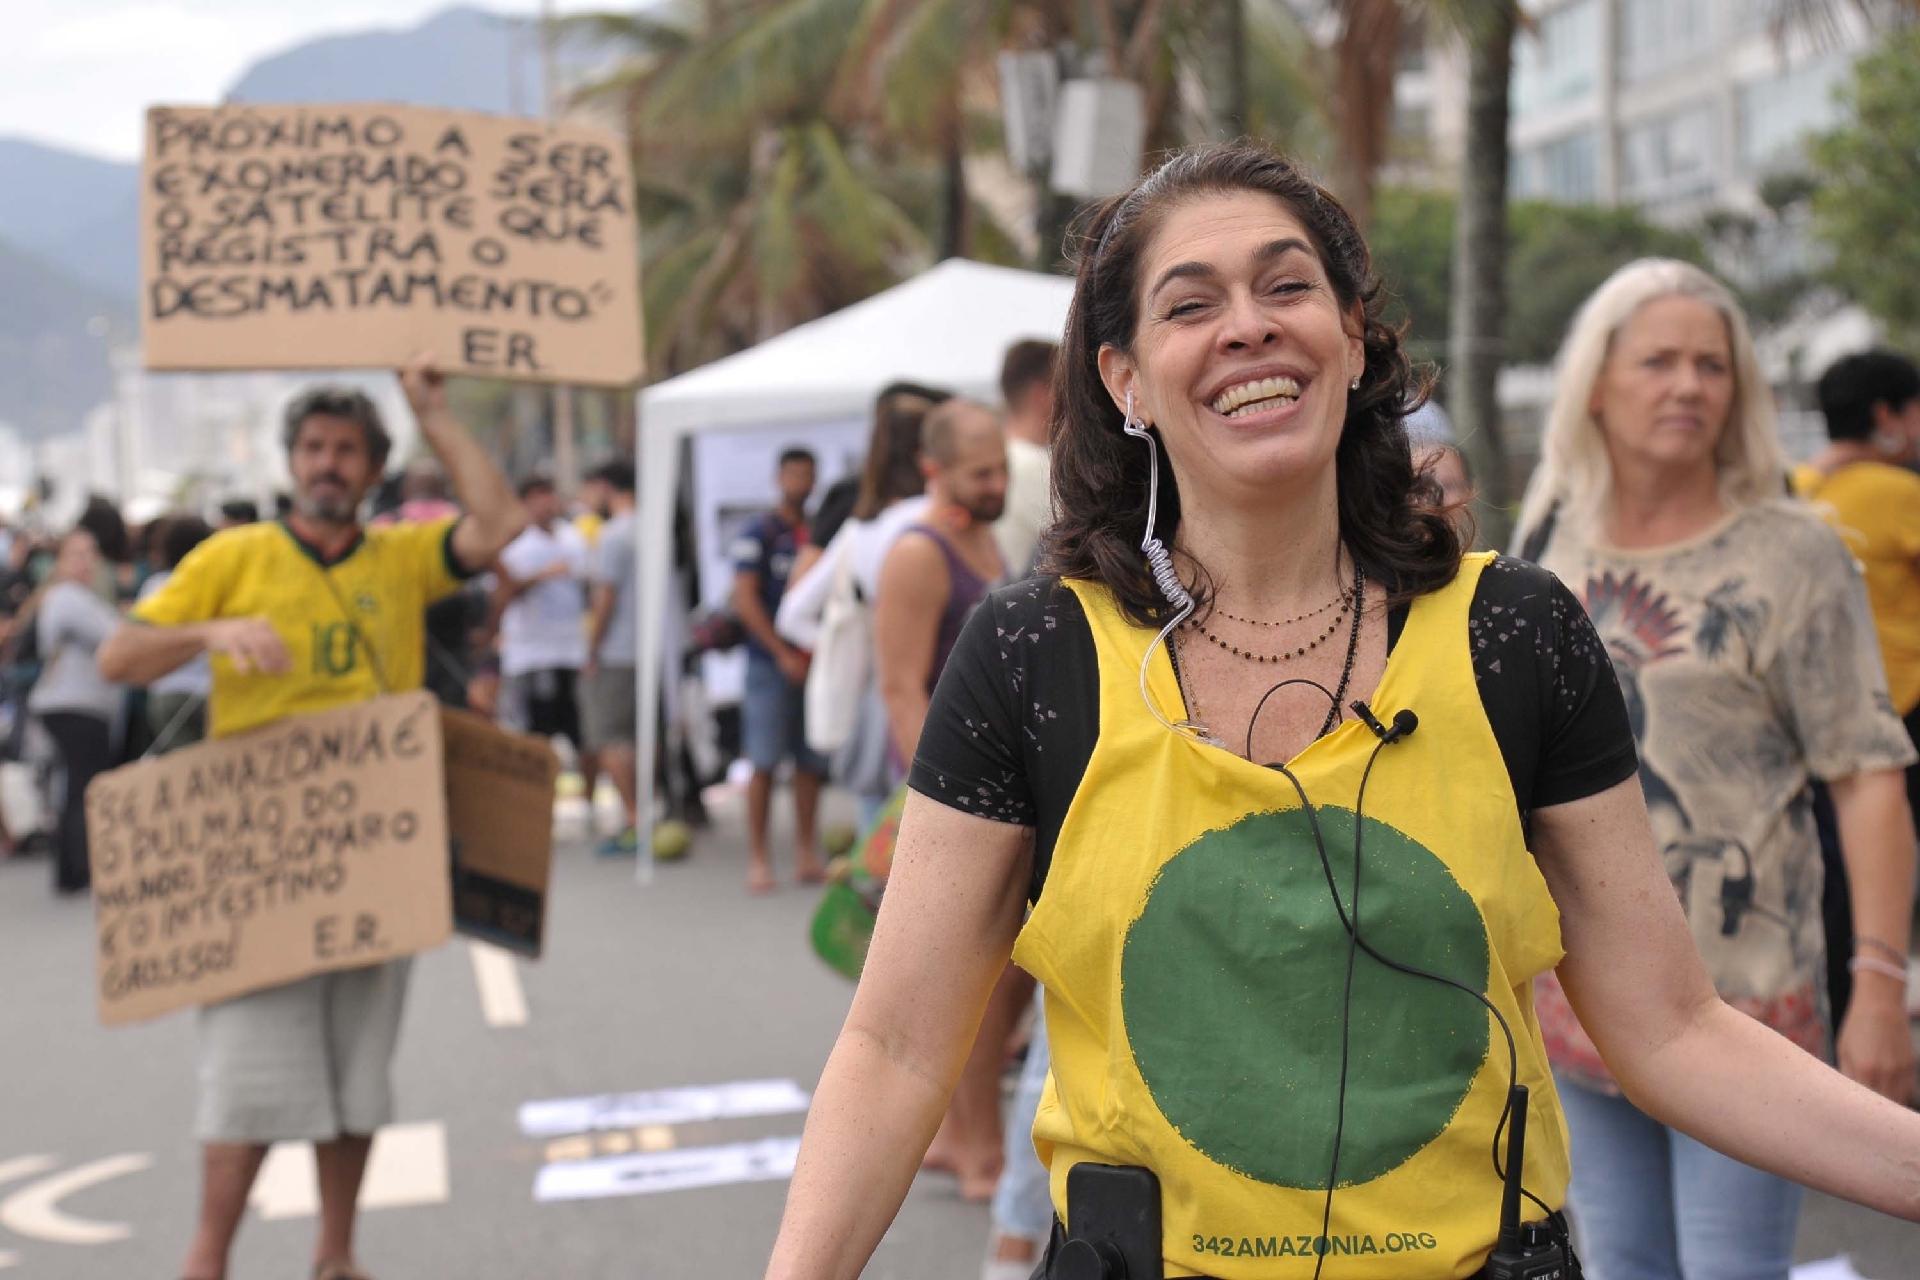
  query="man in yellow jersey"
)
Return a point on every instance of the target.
[
  {"x": 1871, "y": 401},
  {"x": 1862, "y": 484},
  {"x": 301, "y": 615}
]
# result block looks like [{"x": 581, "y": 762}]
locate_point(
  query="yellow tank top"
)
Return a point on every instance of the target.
[{"x": 1194, "y": 967}]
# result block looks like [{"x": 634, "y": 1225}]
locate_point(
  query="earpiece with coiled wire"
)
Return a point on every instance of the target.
[{"x": 1160, "y": 564}]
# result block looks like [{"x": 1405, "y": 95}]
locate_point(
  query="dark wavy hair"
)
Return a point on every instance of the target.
[
  {"x": 1390, "y": 516},
  {"x": 892, "y": 468}
]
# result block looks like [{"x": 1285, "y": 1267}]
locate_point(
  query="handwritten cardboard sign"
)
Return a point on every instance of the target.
[
  {"x": 318, "y": 843},
  {"x": 278, "y": 237},
  {"x": 500, "y": 810}
]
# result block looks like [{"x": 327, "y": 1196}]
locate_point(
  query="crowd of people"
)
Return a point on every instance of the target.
[{"x": 1125, "y": 672}]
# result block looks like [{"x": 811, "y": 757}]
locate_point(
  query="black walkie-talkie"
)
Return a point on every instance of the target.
[{"x": 1526, "y": 1250}]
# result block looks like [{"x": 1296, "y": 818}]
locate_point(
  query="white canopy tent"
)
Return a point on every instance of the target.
[{"x": 947, "y": 327}]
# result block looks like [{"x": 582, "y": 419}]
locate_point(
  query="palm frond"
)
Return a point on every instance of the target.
[
  {"x": 779, "y": 264},
  {"x": 931, "y": 52},
  {"x": 667, "y": 281},
  {"x": 858, "y": 218},
  {"x": 775, "y": 65}
]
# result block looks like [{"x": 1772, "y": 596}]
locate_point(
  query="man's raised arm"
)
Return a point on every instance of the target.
[{"x": 494, "y": 516}]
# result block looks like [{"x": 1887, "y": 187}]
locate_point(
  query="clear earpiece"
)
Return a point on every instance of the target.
[{"x": 1160, "y": 564}]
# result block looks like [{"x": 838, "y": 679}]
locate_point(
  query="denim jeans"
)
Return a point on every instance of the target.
[
  {"x": 1022, "y": 1203},
  {"x": 1652, "y": 1204}
]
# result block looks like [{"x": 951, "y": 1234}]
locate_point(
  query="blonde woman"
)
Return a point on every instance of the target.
[{"x": 1737, "y": 624}]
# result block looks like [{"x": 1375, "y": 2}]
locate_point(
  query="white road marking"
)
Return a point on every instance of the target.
[
  {"x": 24, "y": 1167},
  {"x": 11, "y": 1171},
  {"x": 741, "y": 1098},
  {"x": 34, "y": 1210},
  {"x": 1830, "y": 1269},
  {"x": 502, "y": 1001},
  {"x": 408, "y": 1167},
  {"x": 768, "y": 1160}
]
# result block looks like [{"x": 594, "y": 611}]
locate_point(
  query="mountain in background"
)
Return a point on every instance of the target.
[
  {"x": 69, "y": 247},
  {"x": 465, "y": 59},
  {"x": 55, "y": 330},
  {"x": 76, "y": 212}
]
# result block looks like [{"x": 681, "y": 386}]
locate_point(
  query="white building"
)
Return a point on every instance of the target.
[
  {"x": 1676, "y": 106},
  {"x": 1681, "y": 107},
  {"x": 189, "y": 440}
]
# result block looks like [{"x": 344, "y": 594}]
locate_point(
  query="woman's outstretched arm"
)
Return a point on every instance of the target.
[{"x": 954, "y": 902}]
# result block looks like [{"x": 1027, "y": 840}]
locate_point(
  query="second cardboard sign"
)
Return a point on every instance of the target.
[{"x": 322, "y": 842}]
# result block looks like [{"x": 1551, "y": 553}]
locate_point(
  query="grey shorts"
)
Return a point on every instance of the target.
[
  {"x": 607, "y": 708},
  {"x": 309, "y": 1060}
]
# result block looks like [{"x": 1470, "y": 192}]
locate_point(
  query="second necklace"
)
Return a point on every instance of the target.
[{"x": 1344, "y": 600}]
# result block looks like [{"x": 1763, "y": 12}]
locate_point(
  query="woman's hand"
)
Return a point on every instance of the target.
[{"x": 1875, "y": 1045}]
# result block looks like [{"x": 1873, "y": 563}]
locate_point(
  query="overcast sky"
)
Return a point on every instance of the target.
[{"x": 79, "y": 73}]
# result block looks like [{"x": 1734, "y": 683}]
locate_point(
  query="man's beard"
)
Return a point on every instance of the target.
[
  {"x": 985, "y": 510},
  {"x": 329, "y": 508}
]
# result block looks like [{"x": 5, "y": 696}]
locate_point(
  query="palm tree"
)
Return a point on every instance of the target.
[
  {"x": 1366, "y": 56},
  {"x": 1480, "y": 264},
  {"x": 795, "y": 155},
  {"x": 1207, "y": 68},
  {"x": 757, "y": 204}
]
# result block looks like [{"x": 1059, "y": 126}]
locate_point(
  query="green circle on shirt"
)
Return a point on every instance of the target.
[{"x": 1232, "y": 982}]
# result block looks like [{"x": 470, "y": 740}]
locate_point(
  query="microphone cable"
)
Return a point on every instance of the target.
[{"x": 1356, "y": 944}]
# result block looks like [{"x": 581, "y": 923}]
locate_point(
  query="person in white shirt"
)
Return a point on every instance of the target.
[
  {"x": 542, "y": 605},
  {"x": 891, "y": 501},
  {"x": 1026, "y": 388}
]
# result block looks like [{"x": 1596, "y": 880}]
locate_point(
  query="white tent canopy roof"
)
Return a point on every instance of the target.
[{"x": 947, "y": 327}]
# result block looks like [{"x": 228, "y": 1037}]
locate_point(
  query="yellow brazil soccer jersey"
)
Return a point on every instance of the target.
[
  {"x": 353, "y": 628},
  {"x": 1876, "y": 508}
]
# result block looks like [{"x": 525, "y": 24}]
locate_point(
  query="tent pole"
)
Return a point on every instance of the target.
[{"x": 660, "y": 458}]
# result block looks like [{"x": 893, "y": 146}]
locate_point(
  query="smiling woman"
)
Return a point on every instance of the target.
[
  {"x": 1287, "y": 944},
  {"x": 1237, "y": 240}
]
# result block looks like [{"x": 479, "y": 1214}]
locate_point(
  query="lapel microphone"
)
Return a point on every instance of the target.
[{"x": 1404, "y": 722}]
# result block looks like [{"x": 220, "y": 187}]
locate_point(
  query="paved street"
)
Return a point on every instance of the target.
[
  {"x": 689, "y": 982},
  {"x": 686, "y": 983}
]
